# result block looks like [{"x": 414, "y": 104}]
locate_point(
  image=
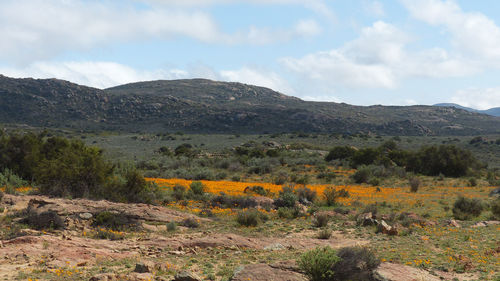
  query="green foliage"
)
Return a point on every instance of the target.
[
  {"x": 44, "y": 220},
  {"x": 288, "y": 213},
  {"x": 179, "y": 192},
  {"x": 191, "y": 223},
  {"x": 197, "y": 188},
  {"x": 466, "y": 209},
  {"x": 495, "y": 208},
  {"x": 111, "y": 220},
  {"x": 356, "y": 263},
  {"x": 340, "y": 153},
  {"x": 331, "y": 194},
  {"x": 249, "y": 217},
  {"x": 185, "y": 149},
  {"x": 414, "y": 184},
  {"x": 321, "y": 219},
  {"x": 305, "y": 195},
  {"x": 324, "y": 234},
  {"x": 256, "y": 189},
  {"x": 362, "y": 175},
  {"x": 171, "y": 226},
  {"x": 287, "y": 198},
  {"x": 10, "y": 181},
  {"x": 318, "y": 263}
]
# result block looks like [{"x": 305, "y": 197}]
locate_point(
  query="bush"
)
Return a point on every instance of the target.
[
  {"x": 179, "y": 192},
  {"x": 287, "y": 198},
  {"x": 340, "y": 153},
  {"x": 466, "y": 209},
  {"x": 1, "y": 195},
  {"x": 321, "y": 219},
  {"x": 288, "y": 213},
  {"x": 171, "y": 226},
  {"x": 324, "y": 234},
  {"x": 115, "y": 221},
  {"x": 495, "y": 208},
  {"x": 256, "y": 189},
  {"x": 356, "y": 263},
  {"x": 318, "y": 263},
  {"x": 248, "y": 217},
  {"x": 44, "y": 220},
  {"x": 331, "y": 194},
  {"x": 306, "y": 196},
  {"x": 362, "y": 175},
  {"x": 191, "y": 223},
  {"x": 197, "y": 188},
  {"x": 414, "y": 184},
  {"x": 472, "y": 182}
]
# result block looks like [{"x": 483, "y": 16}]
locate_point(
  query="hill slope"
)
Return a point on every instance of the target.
[
  {"x": 492, "y": 111},
  {"x": 206, "y": 106}
]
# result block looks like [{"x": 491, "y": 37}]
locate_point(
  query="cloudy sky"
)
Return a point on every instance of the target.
[{"x": 355, "y": 51}]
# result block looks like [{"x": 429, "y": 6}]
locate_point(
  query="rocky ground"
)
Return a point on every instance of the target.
[{"x": 149, "y": 252}]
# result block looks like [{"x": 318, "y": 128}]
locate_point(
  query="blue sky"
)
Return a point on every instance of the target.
[{"x": 364, "y": 52}]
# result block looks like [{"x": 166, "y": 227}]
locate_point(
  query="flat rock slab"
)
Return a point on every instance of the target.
[
  {"x": 264, "y": 272},
  {"x": 398, "y": 272},
  {"x": 88, "y": 208}
]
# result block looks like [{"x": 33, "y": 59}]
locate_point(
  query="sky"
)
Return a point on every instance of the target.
[{"x": 363, "y": 52}]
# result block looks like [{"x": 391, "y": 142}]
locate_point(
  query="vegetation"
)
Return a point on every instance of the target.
[
  {"x": 318, "y": 264},
  {"x": 466, "y": 209}
]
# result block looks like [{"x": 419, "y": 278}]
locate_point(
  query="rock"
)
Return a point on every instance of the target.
[
  {"x": 104, "y": 277},
  {"x": 85, "y": 216},
  {"x": 399, "y": 272},
  {"x": 495, "y": 192},
  {"x": 453, "y": 223},
  {"x": 386, "y": 229},
  {"x": 144, "y": 267},
  {"x": 186, "y": 276},
  {"x": 274, "y": 247},
  {"x": 366, "y": 219},
  {"x": 485, "y": 223},
  {"x": 264, "y": 272}
]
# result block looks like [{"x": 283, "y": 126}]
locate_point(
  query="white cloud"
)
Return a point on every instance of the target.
[
  {"x": 478, "y": 98},
  {"x": 378, "y": 58},
  {"x": 108, "y": 74},
  {"x": 471, "y": 32},
  {"x": 257, "y": 77},
  {"x": 94, "y": 74},
  {"x": 29, "y": 35}
]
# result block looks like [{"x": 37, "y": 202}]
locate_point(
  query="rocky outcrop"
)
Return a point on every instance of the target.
[{"x": 284, "y": 271}]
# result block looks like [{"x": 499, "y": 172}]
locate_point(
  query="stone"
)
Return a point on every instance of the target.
[
  {"x": 453, "y": 223},
  {"x": 274, "y": 247},
  {"x": 186, "y": 276},
  {"x": 144, "y": 267},
  {"x": 386, "y": 228},
  {"x": 485, "y": 223},
  {"x": 399, "y": 272},
  {"x": 366, "y": 219},
  {"x": 85, "y": 216}
]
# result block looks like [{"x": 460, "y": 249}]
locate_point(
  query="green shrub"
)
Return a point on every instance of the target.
[
  {"x": 197, "y": 188},
  {"x": 1, "y": 195},
  {"x": 340, "y": 153},
  {"x": 287, "y": 198},
  {"x": 191, "y": 223},
  {"x": 321, "y": 219},
  {"x": 248, "y": 217},
  {"x": 466, "y": 209},
  {"x": 356, "y": 263},
  {"x": 317, "y": 264},
  {"x": 331, "y": 194},
  {"x": 414, "y": 184},
  {"x": 288, "y": 213},
  {"x": 305, "y": 195},
  {"x": 495, "y": 208},
  {"x": 44, "y": 220},
  {"x": 256, "y": 189},
  {"x": 324, "y": 234},
  {"x": 179, "y": 192},
  {"x": 362, "y": 175},
  {"x": 472, "y": 182},
  {"x": 114, "y": 221},
  {"x": 171, "y": 226}
]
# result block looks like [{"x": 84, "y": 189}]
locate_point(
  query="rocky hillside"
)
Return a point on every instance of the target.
[{"x": 200, "y": 105}]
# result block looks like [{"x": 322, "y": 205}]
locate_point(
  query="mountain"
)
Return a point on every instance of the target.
[
  {"x": 492, "y": 111},
  {"x": 199, "y": 105}
]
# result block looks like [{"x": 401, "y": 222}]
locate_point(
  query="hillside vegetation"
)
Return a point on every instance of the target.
[{"x": 216, "y": 107}]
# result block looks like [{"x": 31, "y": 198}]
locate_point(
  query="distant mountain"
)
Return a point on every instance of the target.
[
  {"x": 205, "y": 106},
  {"x": 492, "y": 111}
]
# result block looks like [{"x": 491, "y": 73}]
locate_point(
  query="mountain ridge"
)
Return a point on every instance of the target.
[
  {"x": 495, "y": 111},
  {"x": 200, "y": 105}
]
